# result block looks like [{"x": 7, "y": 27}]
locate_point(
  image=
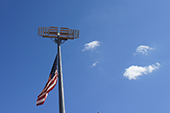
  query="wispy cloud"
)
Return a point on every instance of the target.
[
  {"x": 142, "y": 49},
  {"x": 91, "y": 45},
  {"x": 94, "y": 64},
  {"x": 133, "y": 72}
]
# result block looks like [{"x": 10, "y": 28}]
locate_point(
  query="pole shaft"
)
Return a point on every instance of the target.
[{"x": 61, "y": 87}]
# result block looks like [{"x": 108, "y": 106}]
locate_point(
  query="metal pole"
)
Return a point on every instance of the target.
[{"x": 60, "y": 76}]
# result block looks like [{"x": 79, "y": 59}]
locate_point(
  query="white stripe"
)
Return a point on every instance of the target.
[
  {"x": 52, "y": 84},
  {"x": 42, "y": 100},
  {"x": 42, "y": 95}
]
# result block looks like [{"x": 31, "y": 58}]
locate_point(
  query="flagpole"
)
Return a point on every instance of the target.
[
  {"x": 59, "y": 37},
  {"x": 60, "y": 76}
]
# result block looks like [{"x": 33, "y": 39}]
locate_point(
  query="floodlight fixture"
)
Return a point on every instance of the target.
[{"x": 52, "y": 32}]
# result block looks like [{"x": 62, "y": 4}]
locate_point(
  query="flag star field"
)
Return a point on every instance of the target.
[{"x": 119, "y": 64}]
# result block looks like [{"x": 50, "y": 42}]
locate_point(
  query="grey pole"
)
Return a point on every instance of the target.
[{"x": 60, "y": 82}]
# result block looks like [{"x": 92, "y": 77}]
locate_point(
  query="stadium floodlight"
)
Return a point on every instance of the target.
[
  {"x": 52, "y": 32},
  {"x": 59, "y": 36}
]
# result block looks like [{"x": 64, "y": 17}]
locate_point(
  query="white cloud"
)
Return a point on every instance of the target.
[
  {"x": 94, "y": 64},
  {"x": 91, "y": 45},
  {"x": 143, "y": 50},
  {"x": 133, "y": 72}
]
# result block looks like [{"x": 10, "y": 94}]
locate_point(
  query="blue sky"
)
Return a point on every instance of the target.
[{"x": 119, "y": 64}]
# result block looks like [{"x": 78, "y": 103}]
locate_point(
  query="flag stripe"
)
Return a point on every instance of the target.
[{"x": 42, "y": 100}]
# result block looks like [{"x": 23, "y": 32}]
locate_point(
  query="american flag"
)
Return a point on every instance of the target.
[{"x": 52, "y": 81}]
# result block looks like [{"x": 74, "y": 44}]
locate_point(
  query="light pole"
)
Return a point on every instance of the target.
[{"x": 59, "y": 38}]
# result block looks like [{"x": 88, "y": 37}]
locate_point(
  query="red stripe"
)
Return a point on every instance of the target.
[
  {"x": 41, "y": 97},
  {"x": 40, "y": 101}
]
